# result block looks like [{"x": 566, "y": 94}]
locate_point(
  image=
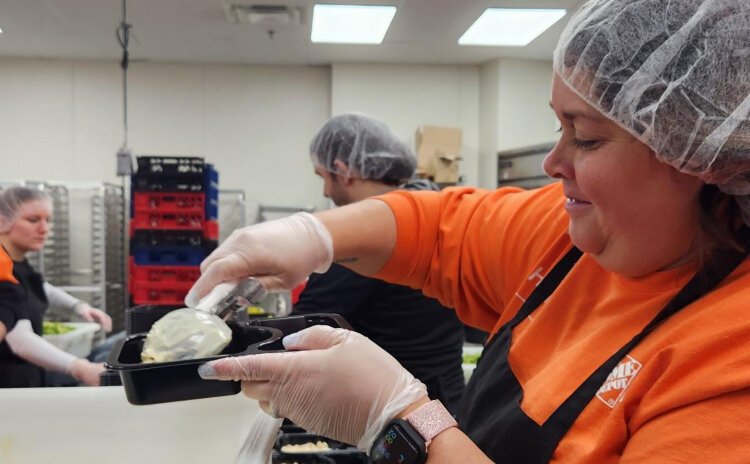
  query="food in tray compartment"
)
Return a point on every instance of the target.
[
  {"x": 185, "y": 334},
  {"x": 308, "y": 447},
  {"x": 56, "y": 328}
]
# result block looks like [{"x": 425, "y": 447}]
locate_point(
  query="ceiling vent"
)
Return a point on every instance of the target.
[{"x": 263, "y": 15}]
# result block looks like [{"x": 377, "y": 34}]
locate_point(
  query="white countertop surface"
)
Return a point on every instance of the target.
[{"x": 97, "y": 425}]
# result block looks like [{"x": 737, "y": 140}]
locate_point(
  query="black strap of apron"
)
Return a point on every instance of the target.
[
  {"x": 720, "y": 265},
  {"x": 547, "y": 286}
]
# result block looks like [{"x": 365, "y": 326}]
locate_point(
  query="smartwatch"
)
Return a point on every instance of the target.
[{"x": 405, "y": 441}]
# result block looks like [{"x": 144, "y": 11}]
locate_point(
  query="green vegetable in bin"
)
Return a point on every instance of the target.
[
  {"x": 56, "y": 328},
  {"x": 471, "y": 358}
]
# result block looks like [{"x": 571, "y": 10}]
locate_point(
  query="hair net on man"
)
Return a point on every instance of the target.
[
  {"x": 676, "y": 74},
  {"x": 366, "y": 147},
  {"x": 11, "y": 200}
]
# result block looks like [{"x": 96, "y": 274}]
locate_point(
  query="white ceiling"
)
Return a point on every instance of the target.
[{"x": 423, "y": 31}]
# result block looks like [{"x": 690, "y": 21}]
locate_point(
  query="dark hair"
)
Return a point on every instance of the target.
[{"x": 720, "y": 222}]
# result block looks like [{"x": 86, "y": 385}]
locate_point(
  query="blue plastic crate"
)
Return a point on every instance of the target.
[
  {"x": 168, "y": 255},
  {"x": 212, "y": 205},
  {"x": 210, "y": 177}
]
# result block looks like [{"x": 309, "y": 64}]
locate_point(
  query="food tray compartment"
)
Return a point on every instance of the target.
[
  {"x": 280, "y": 458},
  {"x": 339, "y": 453},
  {"x": 151, "y": 383},
  {"x": 302, "y": 438}
]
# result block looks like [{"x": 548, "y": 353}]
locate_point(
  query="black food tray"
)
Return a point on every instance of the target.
[
  {"x": 152, "y": 383},
  {"x": 340, "y": 453}
]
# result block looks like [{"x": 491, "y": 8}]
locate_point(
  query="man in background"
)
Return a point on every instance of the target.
[{"x": 358, "y": 157}]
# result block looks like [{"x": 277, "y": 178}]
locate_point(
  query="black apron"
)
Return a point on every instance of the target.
[
  {"x": 492, "y": 416},
  {"x": 14, "y": 371}
]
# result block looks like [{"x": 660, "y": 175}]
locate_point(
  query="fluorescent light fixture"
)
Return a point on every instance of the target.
[
  {"x": 354, "y": 24},
  {"x": 510, "y": 27}
]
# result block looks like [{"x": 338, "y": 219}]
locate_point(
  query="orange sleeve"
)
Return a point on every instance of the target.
[
  {"x": 471, "y": 248},
  {"x": 6, "y": 267},
  {"x": 713, "y": 430}
]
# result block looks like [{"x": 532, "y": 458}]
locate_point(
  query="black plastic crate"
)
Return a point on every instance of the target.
[
  {"x": 164, "y": 183},
  {"x": 110, "y": 378},
  {"x": 170, "y": 165},
  {"x": 150, "y": 238}
]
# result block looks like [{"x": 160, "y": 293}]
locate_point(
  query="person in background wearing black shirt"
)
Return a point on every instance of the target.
[
  {"x": 25, "y": 298},
  {"x": 358, "y": 157}
]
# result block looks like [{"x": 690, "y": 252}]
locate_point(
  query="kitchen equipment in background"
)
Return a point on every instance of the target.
[{"x": 522, "y": 167}]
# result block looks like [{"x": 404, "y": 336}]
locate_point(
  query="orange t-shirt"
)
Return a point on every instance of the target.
[
  {"x": 6, "y": 267},
  {"x": 681, "y": 395}
]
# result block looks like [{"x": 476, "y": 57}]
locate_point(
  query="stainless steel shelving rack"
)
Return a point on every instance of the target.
[
  {"x": 523, "y": 167},
  {"x": 232, "y": 211}
]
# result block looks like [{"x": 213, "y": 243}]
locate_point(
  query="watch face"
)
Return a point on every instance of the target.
[{"x": 394, "y": 446}]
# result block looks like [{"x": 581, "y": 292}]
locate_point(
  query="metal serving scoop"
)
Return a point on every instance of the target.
[{"x": 228, "y": 297}]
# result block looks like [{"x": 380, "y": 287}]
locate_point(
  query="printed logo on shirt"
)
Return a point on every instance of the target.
[{"x": 613, "y": 389}]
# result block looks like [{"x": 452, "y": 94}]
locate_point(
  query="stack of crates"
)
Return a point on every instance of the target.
[{"x": 173, "y": 227}]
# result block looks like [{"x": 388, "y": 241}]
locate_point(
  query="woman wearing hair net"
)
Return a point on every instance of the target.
[
  {"x": 617, "y": 297},
  {"x": 24, "y": 354}
]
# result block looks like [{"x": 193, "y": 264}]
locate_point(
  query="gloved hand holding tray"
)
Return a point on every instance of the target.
[{"x": 162, "y": 382}]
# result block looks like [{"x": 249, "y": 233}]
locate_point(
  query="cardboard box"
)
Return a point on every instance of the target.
[{"x": 438, "y": 153}]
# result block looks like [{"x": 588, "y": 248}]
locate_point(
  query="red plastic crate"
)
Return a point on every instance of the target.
[
  {"x": 169, "y": 202},
  {"x": 211, "y": 230},
  {"x": 152, "y": 220},
  {"x": 159, "y": 293},
  {"x": 174, "y": 274}
]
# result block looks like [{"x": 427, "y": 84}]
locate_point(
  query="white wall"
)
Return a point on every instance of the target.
[
  {"x": 62, "y": 120},
  {"x": 489, "y": 84},
  {"x": 407, "y": 96},
  {"x": 524, "y": 115},
  {"x": 515, "y": 110}
]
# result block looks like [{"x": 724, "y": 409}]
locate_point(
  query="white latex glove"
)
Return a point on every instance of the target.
[
  {"x": 280, "y": 253},
  {"x": 87, "y": 372},
  {"x": 94, "y": 315},
  {"x": 340, "y": 385}
]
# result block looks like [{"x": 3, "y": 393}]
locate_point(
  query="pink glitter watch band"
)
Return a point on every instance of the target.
[{"x": 430, "y": 419}]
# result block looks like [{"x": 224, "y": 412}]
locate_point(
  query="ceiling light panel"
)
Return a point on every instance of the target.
[
  {"x": 510, "y": 27},
  {"x": 353, "y": 24}
]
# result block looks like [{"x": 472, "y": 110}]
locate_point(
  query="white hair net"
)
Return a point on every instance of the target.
[
  {"x": 11, "y": 200},
  {"x": 367, "y": 148},
  {"x": 676, "y": 74}
]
